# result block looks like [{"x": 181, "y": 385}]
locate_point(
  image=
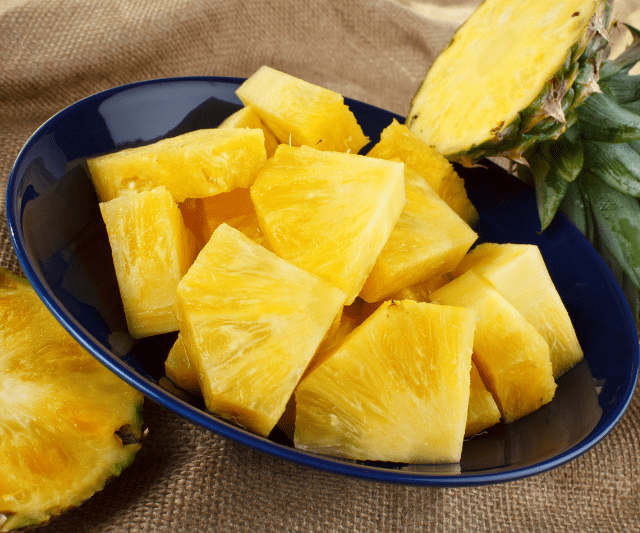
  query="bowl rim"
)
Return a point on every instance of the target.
[{"x": 158, "y": 394}]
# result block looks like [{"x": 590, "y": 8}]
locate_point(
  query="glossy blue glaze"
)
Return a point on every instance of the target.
[{"x": 62, "y": 245}]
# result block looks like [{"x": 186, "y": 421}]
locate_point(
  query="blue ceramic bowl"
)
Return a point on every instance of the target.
[{"x": 62, "y": 244}]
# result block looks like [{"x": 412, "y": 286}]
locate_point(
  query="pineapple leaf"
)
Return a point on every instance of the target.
[
  {"x": 576, "y": 208},
  {"x": 626, "y": 59},
  {"x": 616, "y": 164},
  {"x": 553, "y": 166},
  {"x": 629, "y": 290},
  {"x": 618, "y": 219},
  {"x": 622, "y": 87},
  {"x": 602, "y": 119}
]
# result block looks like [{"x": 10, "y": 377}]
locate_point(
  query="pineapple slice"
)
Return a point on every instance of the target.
[
  {"x": 248, "y": 118},
  {"x": 204, "y": 215},
  {"x": 395, "y": 389},
  {"x": 483, "y": 411},
  {"x": 152, "y": 250},
  {"x": 328, "y": 212},
  {"x": 519, "y": 273},
  {"x": 429, "y": 239},
  {"x": 513, "y": 74},
  {"x": 62, "y": 414},
  {"x": 511, "y": 355},
  {"x": 397, "y": 142},
  {"x": 300, "y": 113},
  {"x": 421, "y": 292},
  {"x": 251, "y": 322},
  {"x": 179, "y": 369},
  {"x": 193, "y": 165}
]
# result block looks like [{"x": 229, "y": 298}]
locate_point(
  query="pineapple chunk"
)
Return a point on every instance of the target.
[
  {"x": 327, "y": 212},
  {"x": 421, "y": 292},
  {"x": 428, "y": 240},
  {"x": 483, "y": 411},
  {"x": 204, "y": 215},
  {"x": 152, "y": 249},
  {"x": 193, "y": 165},
  {"x": 251, "y": 322},
  {"x": 519, "y": 273},
  {"x": 60, "y": 414},
  {"x": 397, "y": 142},
  {"x": 179, "y": 369},
  {"x": 395, "y": 389},
  {"x": 300, "y": 113},
  {"x": 511, "y": 355},
  {"x": 248, "y": 118}
]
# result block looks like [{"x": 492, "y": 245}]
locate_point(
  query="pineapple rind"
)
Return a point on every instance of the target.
[
  {"x": 548, "y": 114},
  {"x": 60, "y": 411}
]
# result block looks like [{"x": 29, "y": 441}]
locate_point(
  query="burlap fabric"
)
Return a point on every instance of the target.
[{"x": 186, "y": 478}]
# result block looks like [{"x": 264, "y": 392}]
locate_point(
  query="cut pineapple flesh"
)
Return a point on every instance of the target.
[
  {"x": 251, "y": 322},
  {"x": 193, "y": 165},
  {"x": 421, "y": 292},
  {"x": 60, "y": 413},
  {"x": 483, "y": 411},
  {"x": 179, "y": 369},
  {"x": 511, "y": 355},
  {"x": 508, "y": 75},
  {"x": 248, "y": 118},
  {"x": 397, "y": 142},
  {"x": 300, "y": 113},
  {"x": 152, "y": 250},
  {"x": 519, "y": 273},
  {"x": 327, "y": 212},
  {"x": 235, "y": 208},
  {"x": 428, "y": 240},
  {"x": 395, "y": 389}
]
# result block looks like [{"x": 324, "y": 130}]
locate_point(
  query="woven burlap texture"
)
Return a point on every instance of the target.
[{"x": 187, "y": 479}]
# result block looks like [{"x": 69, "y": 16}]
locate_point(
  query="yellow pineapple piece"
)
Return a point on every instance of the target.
[
  {"x": 429, "y": 239},
  {"x": 395, "y": 389},
  {"x": 483, "y": 411},
  {"x": 519, "y": 273},
  {"x": 397, "y": 142},
  {"x": 301, "y": 113},
  {"x": 179, "y": 369},
  {"x": 251, "y": 322},
  {"x": 63, "y": 415},
  {"x": 511, "y": 355},
  {"x": 248, "y": 118},
  {"x": 204, "y": 215},
  {"x": 193, "y": 165},
  {"x": 152, "y": 249},
  {"x": 420, "y": 292},
  {"x": 328, "y": 212}
]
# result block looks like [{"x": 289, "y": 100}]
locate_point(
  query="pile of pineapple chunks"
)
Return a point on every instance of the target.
[{"x": 335, "y": 295}]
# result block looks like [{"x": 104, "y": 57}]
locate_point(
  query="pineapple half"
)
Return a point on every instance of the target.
[
  {"x": 63, "y": 416},
  {"x": 513, "y": 75}
]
